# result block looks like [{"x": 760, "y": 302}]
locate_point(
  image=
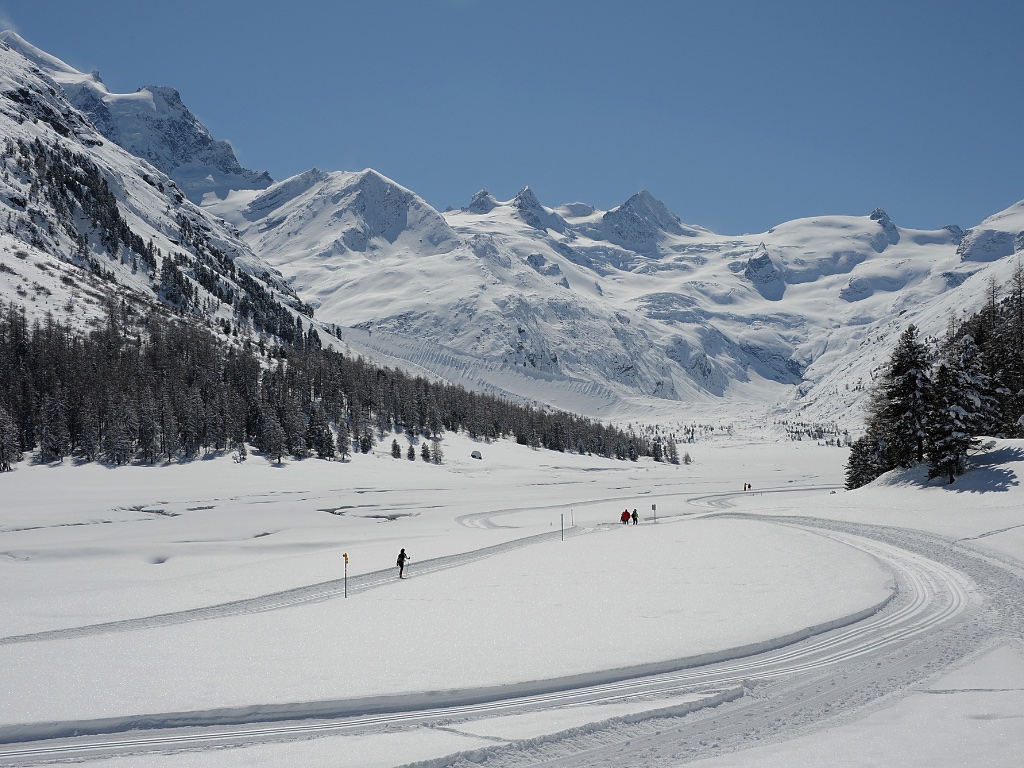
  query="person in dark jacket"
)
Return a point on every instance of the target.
[
  {"x": 636, "y": 517},
  {"x": 402, "y": 557}
]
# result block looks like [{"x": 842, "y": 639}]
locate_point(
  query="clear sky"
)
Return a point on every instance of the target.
[{"x": 738, "y": 114}]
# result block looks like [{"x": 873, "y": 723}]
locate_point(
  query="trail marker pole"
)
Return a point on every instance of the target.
[
  {"x": 654, "y": 509},
  {"x": 345, "y": 555},
  {"x": 563, "y": 525}
]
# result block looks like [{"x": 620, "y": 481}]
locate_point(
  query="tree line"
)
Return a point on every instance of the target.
[
  {"x": 155, "y": 389},
  {"x": 936, "y": 397}
]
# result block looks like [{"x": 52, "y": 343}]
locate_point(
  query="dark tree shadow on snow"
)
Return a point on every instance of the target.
[{"x": 988, "y": 472}]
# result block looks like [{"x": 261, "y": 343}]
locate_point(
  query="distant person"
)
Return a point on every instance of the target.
[
  {"x": 402, "y": 557},
  {"x": 624, "y": 517},
  {"x": 636, "y": 517}
]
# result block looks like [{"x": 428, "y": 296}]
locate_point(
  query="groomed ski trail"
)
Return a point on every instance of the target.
[
  {"x": 931, "y": 596},
  {"x": 312, "y": 593}
]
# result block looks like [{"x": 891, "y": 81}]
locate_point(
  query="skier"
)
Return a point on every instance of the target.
[
  {"x": 402, "y": 557},
  {"x": 636, "y": 517},
  {"x": 624, "y": 517}
]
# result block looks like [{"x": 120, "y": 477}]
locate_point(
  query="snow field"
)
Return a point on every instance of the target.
[
  {"x": 614, "y": 596},
  {"x": 971, "y": 716},
  {"x": 607, "y": 597}
]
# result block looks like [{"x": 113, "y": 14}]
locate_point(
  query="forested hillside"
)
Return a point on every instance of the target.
[{"x": 152, "y": 388}]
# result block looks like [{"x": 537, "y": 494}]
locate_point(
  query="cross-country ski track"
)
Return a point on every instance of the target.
[{"x": 951, "y": 599}]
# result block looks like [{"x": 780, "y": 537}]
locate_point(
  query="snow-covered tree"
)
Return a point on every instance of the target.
[
  {"x": 899, "y": 410},
  {"x": 863, "y": 465},
  {"x": 949, "y": 425}
]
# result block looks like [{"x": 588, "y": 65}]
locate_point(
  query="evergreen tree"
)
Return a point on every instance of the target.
[
  {"x": 272, "y": 437},
  {"x": 949, "y": 425},
  {"x": 425, "y": 452},
  {"x": 89, "y": 441},
  {"x": 899, "y": 409},
  {"x": 977, "y": 394},
  {"x": 656, "y": 450},
  {"x": 366, "y": 439},
  {"x": 10, "y": 446},
  {"x": 148, "y": 442},
  {"x": 411, "y": 453},
  {"x": 344, "y": 440},
  {"x": 673, "y": 452},
  {"x": 54, "y": 438},
  {"x": 396, "y": 449},
  {"x": 863, "y": 464}
]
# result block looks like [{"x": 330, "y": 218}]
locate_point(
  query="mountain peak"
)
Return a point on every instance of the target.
[
  {"x": 43, "y": 60},
  {"x": 536, "y": 215},
  {"x": 640, "y": 222},
  {"x": 482, "y": 202},
  {"x": 526, "y": 200}
]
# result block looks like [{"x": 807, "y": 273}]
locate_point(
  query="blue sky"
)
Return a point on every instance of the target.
[{"x": 738, "y": 114}]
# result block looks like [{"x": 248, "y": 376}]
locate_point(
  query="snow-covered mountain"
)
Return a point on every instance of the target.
[
  {"x": 611, "y": 311},
  {"x": 626, "y": 312},
  {"x": 87, "y": 225},
  {"x": 151, "y": 123}
]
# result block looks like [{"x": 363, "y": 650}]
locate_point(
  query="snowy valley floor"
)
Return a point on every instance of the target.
[{"x": 195, "y": 614}]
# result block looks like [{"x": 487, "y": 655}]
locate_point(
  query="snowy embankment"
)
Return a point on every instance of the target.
[{"x": 606, "y": 599}]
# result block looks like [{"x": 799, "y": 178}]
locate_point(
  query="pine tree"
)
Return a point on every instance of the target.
[
  {"x": 411, "y": 453},
  {"x": 425, "y": 452},
  {"x": 656, "y": 451},
  {"x": 344, "y": 440},
  {"x": 366, "y": 439},
  {"x": 673, "y": 451},
  {"x": 863, "y": 464},
  {"x": 949, "y": 431},
  {"x": 10, "y": 446},
  {"x": 396, "y": 449},
  {"x": 899, "y": 408},
  {"x": 272, "y": 437},
  {"x": 148, "y": 442},
  {"x": 54, "y": 438}
]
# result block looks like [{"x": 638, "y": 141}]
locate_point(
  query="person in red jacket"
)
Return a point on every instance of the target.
[{"x": 624, "y": 517}]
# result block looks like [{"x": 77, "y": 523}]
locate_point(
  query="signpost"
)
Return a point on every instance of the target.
[
  {"x": 654, "y": 509},
  {"x": 345, "y": 555}
]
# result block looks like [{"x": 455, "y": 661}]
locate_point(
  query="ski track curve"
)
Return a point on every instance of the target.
[
  {"x": 766, "y": 692},
  {"x": 312, "y": 593}
]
